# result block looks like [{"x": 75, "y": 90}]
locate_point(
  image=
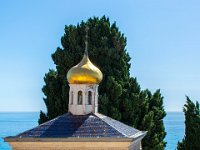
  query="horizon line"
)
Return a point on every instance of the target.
[{"x": 46, "y": 112}]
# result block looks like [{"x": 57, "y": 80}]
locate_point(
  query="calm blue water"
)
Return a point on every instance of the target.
[
  {"x": 14, "y": 123},
  {"x": 175, "y": 128}
]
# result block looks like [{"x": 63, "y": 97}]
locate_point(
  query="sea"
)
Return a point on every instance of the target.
[{"x": 12, "y": 123}]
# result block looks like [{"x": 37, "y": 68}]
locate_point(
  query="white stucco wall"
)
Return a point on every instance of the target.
[{"x": 85, "y": 108}]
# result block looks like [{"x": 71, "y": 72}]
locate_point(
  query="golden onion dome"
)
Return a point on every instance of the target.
[{"x": 84, "y": 73}]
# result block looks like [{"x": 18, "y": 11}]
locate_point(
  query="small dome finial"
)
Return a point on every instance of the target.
[{"x": 86, "y": 40}]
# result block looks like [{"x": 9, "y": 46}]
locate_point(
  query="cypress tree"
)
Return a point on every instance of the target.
[
  {"x": 192, "y": 126},
  {"x": 120, "y": 96}
]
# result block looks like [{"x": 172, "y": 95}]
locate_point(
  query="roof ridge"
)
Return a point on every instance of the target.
[{"x": 97, "y": 115}]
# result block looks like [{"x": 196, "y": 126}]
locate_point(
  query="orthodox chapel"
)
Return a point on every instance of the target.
[{"x": 83, "y": 127}]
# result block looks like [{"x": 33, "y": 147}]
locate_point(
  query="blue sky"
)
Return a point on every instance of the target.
[{"x": 163, "y": 41}]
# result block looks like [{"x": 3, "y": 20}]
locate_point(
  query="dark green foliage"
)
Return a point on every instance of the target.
[
  {"x": 43, "y": 118},
  {"x": 120, "y": 96},
  {"x": 147, "y": 114},
  {"x": 54, "y": 92},
  {"x": 191, "y": 141}
]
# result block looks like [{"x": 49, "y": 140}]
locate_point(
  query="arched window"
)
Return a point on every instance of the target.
[
  {"x": 89, "y": 98},
  {"x": 72, "y": 97},
  {"x": 80, "y": 98}
]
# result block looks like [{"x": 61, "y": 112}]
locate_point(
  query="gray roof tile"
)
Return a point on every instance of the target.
[{"x": 91, "y": 125}]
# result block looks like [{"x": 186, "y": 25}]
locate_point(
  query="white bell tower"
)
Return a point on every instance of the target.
[
  {"x": 84, "y": 79},
  {"x": 83, "y": 99}
]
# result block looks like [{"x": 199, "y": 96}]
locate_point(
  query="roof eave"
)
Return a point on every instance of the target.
[
  {"x": 76, "y": 139},
  {"x": 139, "y": 135}
]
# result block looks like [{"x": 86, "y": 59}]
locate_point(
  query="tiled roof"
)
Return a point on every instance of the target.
[{"x": 88, "y": 126}]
